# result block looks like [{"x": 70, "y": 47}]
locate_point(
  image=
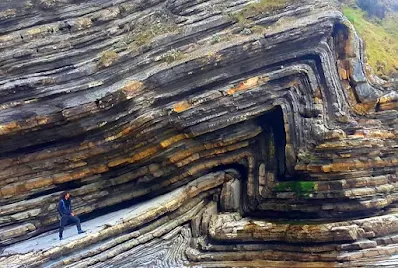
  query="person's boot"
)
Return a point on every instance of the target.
[
  {"x": 81, "y": 232},
  {"x": 60, "y": 238}
]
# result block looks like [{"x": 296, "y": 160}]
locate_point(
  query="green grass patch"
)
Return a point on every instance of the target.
[
  {"x": 299, "y": 187},
  {"x": 172, "y": 55},
  {"x": 147, "y": 35},
  {"x": 244, "y": 16},
  {"x": 380, "y": 37},
  {"x": 144, "y": 34},
  {"x": 108, "y": 58}
]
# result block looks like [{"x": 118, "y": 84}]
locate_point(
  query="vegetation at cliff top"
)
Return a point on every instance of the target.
[{"x": 380, "y": 37}]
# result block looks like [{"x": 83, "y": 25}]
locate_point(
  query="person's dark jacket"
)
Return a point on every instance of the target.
[{"x": 64, "y": 207}]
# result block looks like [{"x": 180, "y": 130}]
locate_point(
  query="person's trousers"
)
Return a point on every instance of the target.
[{"x": 65, "y": 220}]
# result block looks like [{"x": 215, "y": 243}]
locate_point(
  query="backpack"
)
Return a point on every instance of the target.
[{"x": 59, "y": 210}]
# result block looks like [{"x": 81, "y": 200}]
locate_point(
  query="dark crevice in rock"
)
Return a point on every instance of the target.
[
  {"x": 12, "y": 148},
  {"x": 274, "y": 119},
  {"x": 239, "y": 167},
  {"x": 341, "y": 38},
  {"x": 67, "y": 186}
]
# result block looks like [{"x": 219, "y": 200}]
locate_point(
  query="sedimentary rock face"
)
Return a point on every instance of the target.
[{"x": 237, "y": 131}]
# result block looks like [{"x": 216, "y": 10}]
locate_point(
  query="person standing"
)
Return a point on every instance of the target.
[{"x": 65, "y": 211}]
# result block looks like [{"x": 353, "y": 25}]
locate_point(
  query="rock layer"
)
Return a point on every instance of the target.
[{"x": 260, "y": 112}]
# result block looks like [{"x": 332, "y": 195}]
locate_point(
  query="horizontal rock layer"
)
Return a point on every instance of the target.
[{"x": 120, "y": 102}]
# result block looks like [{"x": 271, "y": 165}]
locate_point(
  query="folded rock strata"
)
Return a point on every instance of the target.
[{"x": 249, "y": 132}]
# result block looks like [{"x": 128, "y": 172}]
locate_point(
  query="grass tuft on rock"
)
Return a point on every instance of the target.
[
  {"x": 146, "y": 34},
  {"x": 107, "y": 59},
  {"x": 244, "y": 16},
  {"x": 172, "y": 55}
]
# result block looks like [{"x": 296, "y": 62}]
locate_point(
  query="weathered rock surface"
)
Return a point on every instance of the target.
[{"x": 253, "y": 123}]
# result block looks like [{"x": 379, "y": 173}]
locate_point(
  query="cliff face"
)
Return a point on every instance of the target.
[
  {"x": 375, "y": 22},
  {"x": 240, "y": 129}
]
